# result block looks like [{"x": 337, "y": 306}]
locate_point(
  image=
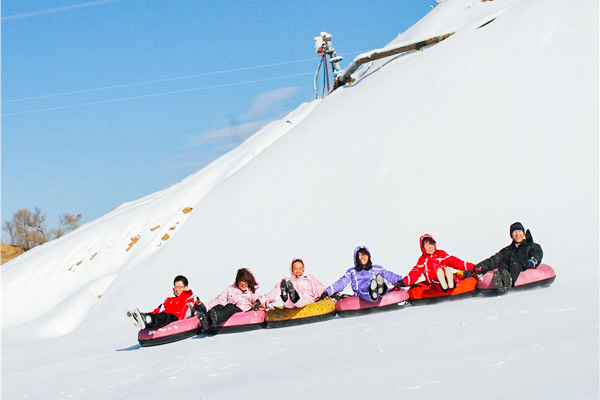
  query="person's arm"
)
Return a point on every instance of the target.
[
  {"x": 189, "y": 306},
  {"x": 340, "y": 284},
  {"x": 271, "y": 296},
  {"x": 161, "y": 307},
  {"x": 535, "y": 255},
  {"x": 390, "y": 276},
  {"x": 493, "y": 262},
  {"x": 220, "y": 299},
  {"x": 415, "y": 273},
  {"x": 457, "y": 263}
]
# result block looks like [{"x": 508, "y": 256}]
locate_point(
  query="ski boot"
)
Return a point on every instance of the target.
[
  {"x": 499, "y": 282},
  {"x": 506, "y": 280},
  {"x": 294, "y": 296},
  {"x": 284, "y": 290}
]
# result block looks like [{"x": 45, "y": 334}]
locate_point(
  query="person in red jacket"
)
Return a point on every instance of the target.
[
  {"x": 181, "y": 305},
  {"x": 433, "y": 264}
]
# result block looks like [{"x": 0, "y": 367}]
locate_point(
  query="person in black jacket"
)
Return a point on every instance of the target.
[{"x": 520, "y": 255}]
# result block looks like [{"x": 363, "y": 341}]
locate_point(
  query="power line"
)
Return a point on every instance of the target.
[
  {"x": 149, "y": 82},
  {"x": 124, "y": 85},
  {"x": 59, "y": 9},
  {"x": 154, "y": 95}
]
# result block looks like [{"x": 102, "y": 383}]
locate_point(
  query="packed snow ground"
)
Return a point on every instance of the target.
[{"x": 493, "y": 125}]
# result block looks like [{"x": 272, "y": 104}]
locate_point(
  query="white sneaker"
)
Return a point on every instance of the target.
[
  {"x": 130, "y": 317},
  {"x": 450, "y": 278},
  {"x": 442, "y": 279},
  {"x": 137, "y": 315}
]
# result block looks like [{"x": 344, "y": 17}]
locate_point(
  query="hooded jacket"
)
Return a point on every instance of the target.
[
  {"x": 307, "y": 286},
  {"x": 181, "y": 306},
  {"x": 360, "y": 277},
  {"x": 429, "y": 264},
  {"x": 515, "y": 256},
  {"x": 234, "y": 295}
]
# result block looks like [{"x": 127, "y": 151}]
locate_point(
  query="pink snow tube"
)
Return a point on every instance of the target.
[
  {"x": 243, "y": 321},
  {"x": 169, "y": 333},
  {"x": 542, "y": 275},
  {"x": 355, "y": 305}
]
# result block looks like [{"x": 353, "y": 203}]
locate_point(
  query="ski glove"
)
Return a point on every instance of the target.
[
  {"x": 323, "y": 296},
  {"x": 399, "y": 284},
  {"x": 531, "y": 263},
  {"x": 336, "y": 296},
  {"x": 256, "y": 305},
  {"x": 200, "y": 307}
]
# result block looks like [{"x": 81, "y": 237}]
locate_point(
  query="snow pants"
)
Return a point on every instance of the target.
[
  {"x": 303, "y": 301},
  {"x": 222, "y": 313},
  {"x": 514, "y": 269},
  {"x": 161, "y": 319}
]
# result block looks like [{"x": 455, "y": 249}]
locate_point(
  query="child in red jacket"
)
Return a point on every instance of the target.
[
  {"x": 433, "y": 265},
  {"x": 180, "y": 306}
]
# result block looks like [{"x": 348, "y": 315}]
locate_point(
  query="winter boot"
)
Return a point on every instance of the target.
[
  {"x": 203, "y": 318},
  {"x": 213, "y": 323},
  {"x": 294, "y": 296},
  {"x": 506, "y": 280},
  {"x": 140, "y": 318},
  {"x": 450, "y": 278},
  {"x": 498, "y": 281},
  {"x": 442, "y": 279},
  {"x": 284, "y": 290},
  {"x": 373, "y": 292},
  {"x": 381, "y": 286}
]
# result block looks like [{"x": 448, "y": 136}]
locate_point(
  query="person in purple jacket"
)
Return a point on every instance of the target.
[{"x": 368, "y": 281}]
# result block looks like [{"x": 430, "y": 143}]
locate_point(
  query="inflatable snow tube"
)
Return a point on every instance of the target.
[
  {"x": 177, "y": 330},
  {"x": 424, "y": 293},
  {"x": 318, "y": 311},
  {"x": 543, "y": 275},
  {"x": 354, "y": 305},
  {"x": 243, "y": 321}
]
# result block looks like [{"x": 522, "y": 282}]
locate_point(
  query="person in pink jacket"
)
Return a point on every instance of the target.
[
  {"x": 297, "y": 291},
  {"x": 239, "y": 297},
  {"x": 433, "y": 265}
]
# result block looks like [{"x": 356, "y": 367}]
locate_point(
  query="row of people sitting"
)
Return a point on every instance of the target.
[{"x": 367, "y": 280}]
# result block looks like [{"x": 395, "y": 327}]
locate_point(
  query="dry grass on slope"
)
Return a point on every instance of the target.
[{"x": 9, "y": 252}]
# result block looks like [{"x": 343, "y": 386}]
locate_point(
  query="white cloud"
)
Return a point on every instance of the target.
[
  {"x": 236, "y": 132},
  {"x": 267, "y": 101}
]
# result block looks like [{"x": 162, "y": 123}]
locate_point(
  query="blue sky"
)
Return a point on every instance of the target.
[{"x": 107, "y": 101}]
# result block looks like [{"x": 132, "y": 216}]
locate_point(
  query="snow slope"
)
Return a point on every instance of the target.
[{"x": 493, "y": 125}]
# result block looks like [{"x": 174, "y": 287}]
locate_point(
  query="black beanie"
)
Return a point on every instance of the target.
[{"x": 517, "y": 226}]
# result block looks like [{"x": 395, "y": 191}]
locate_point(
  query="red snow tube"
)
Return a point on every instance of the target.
[
  {"x": 543, "y": 275},
  {"x": 177, "y": 330},
  {"x": 243, "y": 321},
  {"x": 353, "y": 305},
  {"x": 422, "y": 292}
]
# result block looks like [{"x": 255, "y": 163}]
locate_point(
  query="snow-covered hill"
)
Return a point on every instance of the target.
[{"x": 497, "y": 123}]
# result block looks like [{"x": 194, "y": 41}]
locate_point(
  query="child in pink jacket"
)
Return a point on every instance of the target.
[
  {"x": 238, "y": 297},
  {"x": 297, "y": 291}
]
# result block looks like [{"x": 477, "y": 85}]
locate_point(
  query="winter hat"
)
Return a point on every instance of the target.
[
  {"x": 517, "y": 226},
  {"x": 427, "y": 238}
]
